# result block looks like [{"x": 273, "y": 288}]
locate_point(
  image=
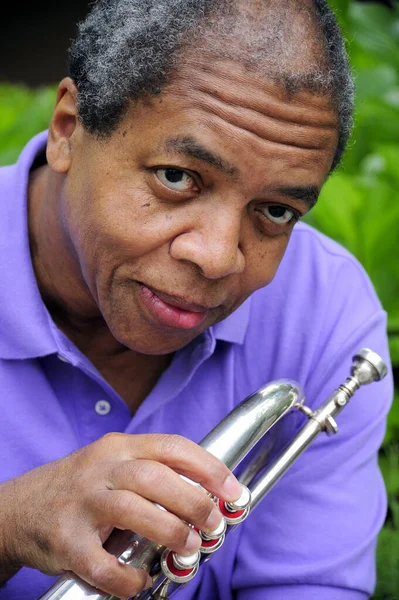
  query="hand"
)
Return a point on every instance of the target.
[{"x": 59, "y": 515}]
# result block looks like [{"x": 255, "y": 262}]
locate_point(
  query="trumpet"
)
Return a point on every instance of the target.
[{"x": 230, "y": 441}]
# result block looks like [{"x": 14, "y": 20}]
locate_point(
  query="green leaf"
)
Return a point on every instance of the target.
[
  {"x": 337, "y": 210},
  {"x": 341, "y": 9},
  {"x": 389, "y": 461},
  {"x": 390, "y": 474},
  {"x": 375, "y": 31},
  {"x": 387, "y": 565},
  {"x": 24, "y": 113},
  {"x": 394, "y": 348}
]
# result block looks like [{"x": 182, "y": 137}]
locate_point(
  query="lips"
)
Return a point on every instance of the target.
[
  {"x": 181, "y": 303},
  {"x": 172, "y": 311}
]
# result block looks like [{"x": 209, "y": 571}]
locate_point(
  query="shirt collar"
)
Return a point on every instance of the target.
[
  {"x": 26, "y": 328},
  {"x": 234, "y": 327}
]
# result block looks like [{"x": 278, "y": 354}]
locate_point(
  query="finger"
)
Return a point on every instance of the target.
[
  {"x": 183, "y": 456},
  {"x": 127, "y": 510},
  {"x": 162, "y": 485},
  {"x": 104, "y": 572}
]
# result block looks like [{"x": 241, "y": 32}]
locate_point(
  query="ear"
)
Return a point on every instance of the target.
[{"x": 63, "y": 126}]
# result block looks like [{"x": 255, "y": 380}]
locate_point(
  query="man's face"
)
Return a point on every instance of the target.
[{"x": 188, "y": 207}]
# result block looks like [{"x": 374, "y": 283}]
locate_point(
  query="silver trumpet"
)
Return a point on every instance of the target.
[{"x": 231, "y": 441}]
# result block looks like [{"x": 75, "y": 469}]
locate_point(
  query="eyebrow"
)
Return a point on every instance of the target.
[
  {"x": 189, "y": 146},
  {"x": 307, "y": 193}
]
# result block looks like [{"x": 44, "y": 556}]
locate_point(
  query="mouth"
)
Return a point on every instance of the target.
[{"x": 173, "y": 311}]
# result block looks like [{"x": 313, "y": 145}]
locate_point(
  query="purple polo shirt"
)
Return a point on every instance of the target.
[{"x": 314, "y": 535}]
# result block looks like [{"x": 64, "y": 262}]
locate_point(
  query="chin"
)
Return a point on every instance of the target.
[{"x": 154, "y": 344}]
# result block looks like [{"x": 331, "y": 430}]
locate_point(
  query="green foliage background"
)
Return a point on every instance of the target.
[{"x": 359, "y": 205}]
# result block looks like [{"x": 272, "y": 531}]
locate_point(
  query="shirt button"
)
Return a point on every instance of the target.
[
  {"x": 102, "y": 407},
  {"x": 63, "y": 358}
]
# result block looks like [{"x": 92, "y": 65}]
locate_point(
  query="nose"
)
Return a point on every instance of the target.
[{"x": 213, "y": 245}]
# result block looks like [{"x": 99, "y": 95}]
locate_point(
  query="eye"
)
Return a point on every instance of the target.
[
  {"x": 278, "y": 214},
  {"x": 176, "y": 179}
]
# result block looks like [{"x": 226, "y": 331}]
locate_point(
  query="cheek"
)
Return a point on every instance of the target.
[
  {"x": 113, "y": 226},
  {"x": 263, "y": 261}
]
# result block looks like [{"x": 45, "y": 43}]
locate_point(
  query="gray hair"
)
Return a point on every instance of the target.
[{"x": 130, "y": 49}]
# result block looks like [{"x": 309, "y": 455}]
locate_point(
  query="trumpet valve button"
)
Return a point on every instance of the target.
[
  {"x": 235, "y": 512},
  {"x": 215, "y": 533},
  {"x": 182, "y": 563},
  {"x": 242, "y": 502},
  {"x": 178, "y": 568},
  {"x": 209, "y": 546}
]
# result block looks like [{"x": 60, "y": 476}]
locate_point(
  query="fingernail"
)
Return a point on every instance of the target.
[
  {"x": 231, "y": 488},
  {"x": 149, "y": 583},
  {"x": 193, "y": 542},
  {"x": 213, "y": 520}
]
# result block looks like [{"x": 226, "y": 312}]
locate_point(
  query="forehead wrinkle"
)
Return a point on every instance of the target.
[
  {"x": 262, "y": 95},
  {"x": 274, "y": 128},
  {"x": 299, "y": 113},
  {"x": 189, "y": 146},
  {"x": 260, "y": 146}
]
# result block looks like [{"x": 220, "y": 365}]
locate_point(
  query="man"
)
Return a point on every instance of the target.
[{"x": 154, "y": 274}]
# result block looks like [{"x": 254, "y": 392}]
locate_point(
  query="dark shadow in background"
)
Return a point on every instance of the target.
[{"x": 35, "y": 36}]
